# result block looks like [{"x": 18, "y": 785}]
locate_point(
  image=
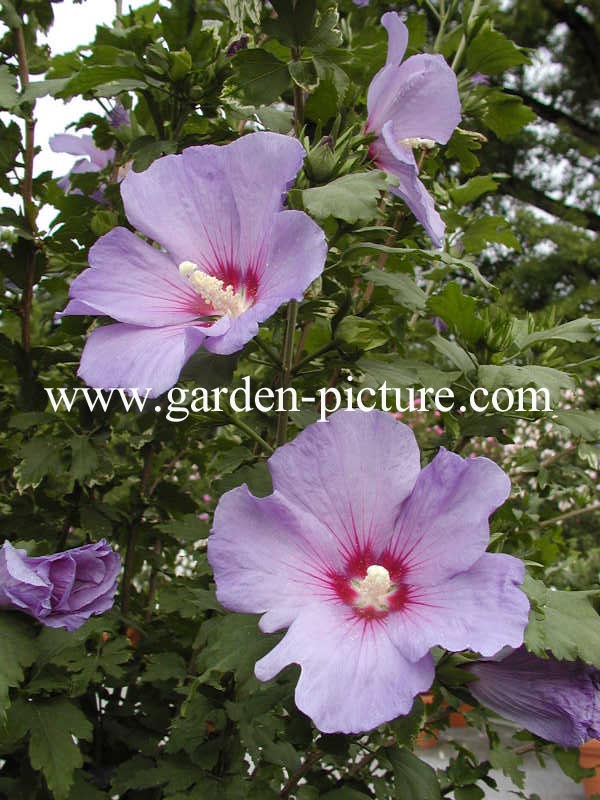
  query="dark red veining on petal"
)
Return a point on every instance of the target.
[
  {"x": 355, "y": 568},
  {"x": 238, "y": 279}
]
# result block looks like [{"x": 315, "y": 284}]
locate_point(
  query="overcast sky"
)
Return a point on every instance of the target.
[{"x": 74, "y": 25}]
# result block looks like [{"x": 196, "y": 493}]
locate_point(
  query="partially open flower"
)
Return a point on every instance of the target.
[
  {"x": 369, "y": 562},
  {"x": 229, "y": 256},
  {"x": 94, "y": 159},
  {"x": 61, "y": 590},
  {"x": 557, "y": 700},
  {"x": 411, "y": 105}
]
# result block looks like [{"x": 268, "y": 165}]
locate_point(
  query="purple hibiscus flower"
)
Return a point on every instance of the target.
[
  {"x": 369, "y": 562},
  {"x": 62, "y": 590},
  {"x": 411, "y": 105},
  {"x": 95, "y": 159},
  {"x": 557, "y": 700},
  {"x": 480, "y": 79},
  {"x": 118, "y": 117},
  {"x": 230, "y": 257},
  {"x": 361, "y": 3}
]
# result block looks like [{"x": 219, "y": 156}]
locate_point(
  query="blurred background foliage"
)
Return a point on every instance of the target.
[{"x": 157, "y": 699}]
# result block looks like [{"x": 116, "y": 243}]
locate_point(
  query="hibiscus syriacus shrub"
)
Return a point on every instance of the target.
[{"x": 208, "y": 598}]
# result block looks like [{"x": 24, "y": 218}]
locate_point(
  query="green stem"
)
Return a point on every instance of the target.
[
  {"x": 287, "y": 369},
  {"x": 27, "y": 193},
  {"x": 576, "y": 512},
  {"x": 311, "y": 356},
  {"x": 134, "y": 531},
  {"x": 463, "y": 42},
  {"x": 309, "y": 762},
  {"x": 269, "y": 351},
  {"x": 235, "y": 420},
  {"x": 298, "y": 98},
  {"x": 443, "y": 18},
  {"x": 287, "y": 358}
]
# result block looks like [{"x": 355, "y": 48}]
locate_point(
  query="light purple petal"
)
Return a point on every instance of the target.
[
  {"x": 20, "y": 586},
  {"x": 557, "y": 700},
  {"x": 482, "y": 609},
  {"x": 81, "y": 146},
  {"x": 133, "y": 282},
  {"x": 420, "y": 99},
  {"x": 443, "y": 527},
  {"x": 398, "y": 161},
  {"x": 213, "y": 205},
  {"x": 130, "y": 356},
  {"x": 275, "y": 562},
  {"x": 355, "y": 470},
  {"x": 397, "y": 37},
  {"x": 353, "y": 677},
  {"x": 62, "y": 576},
  {"x": 295, "y": 258}
]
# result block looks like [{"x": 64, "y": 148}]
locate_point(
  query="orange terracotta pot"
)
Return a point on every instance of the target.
[
  {"x": 457, "y": 718},
  {"x": 589, "y": 756},
  {"x": 426, "y": 739}
]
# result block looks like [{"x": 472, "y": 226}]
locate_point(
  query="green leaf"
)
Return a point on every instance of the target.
[
  {"x": 413, "y": 777},
  {"x": 326, "y": 100},
  {"x": 257, "y": 477},
  {"x": 454, "y": 353},
  {"x": 493, "y": 377},
  {"x": 361, "y": 334},
  {"x": 9, "y": 96},
  {"x": 471, "y": 792},
  {"x": 187, "y": 529},
  {"x": 164, "y": 667},
  {"x": 42, "y": 88},
  {"x": 294, "y": 20},
  {"x": 17, "y": 651},
  {"x": 40, "y": 457},
  {"x": 326, "y": 34},
  {"x": 180, "y": 64},
  {"x": 403, "y": 373},
  {"x": 189, "y": 602},
  {"x": 52, "y": 725},
  {"x": 577, "y": 330},
  {"x": 189, "y": 729},
  {"x": 459, "y": 311},
  {"x": 231, "y": 644},
  {"x": 259, "y": 78},
  {"x": 83, "y": 789},
  {"x": 480, "y": 232},
  {"x": 304, "y": 74},
  {"x": 352, "y": 198},
  {"x": 509, "y": 762},
  {"x": 104, "y": 76},
  {"x": 506, "y": 114},
  {"x": 406, "y": 728},
  {"x": 491, "y": 52},
  {"x": 84, "y": 458},
  {"x": 568, "y": 760},
  {"x": 584, "y": 424},
  {"x": 461, "y": 147},
  {"x": 473, "y": 189},
  {"x": 564, "y": 623},
  {"x": 405, "y": 290}
]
